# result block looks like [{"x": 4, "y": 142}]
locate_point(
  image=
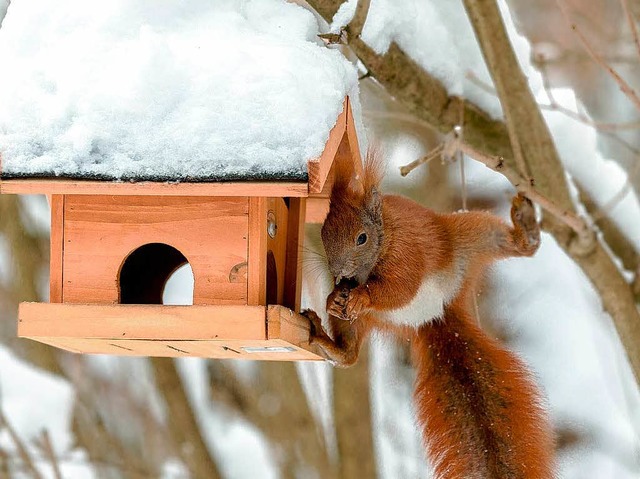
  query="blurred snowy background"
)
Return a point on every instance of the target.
[{"x": 105, "y": 417}]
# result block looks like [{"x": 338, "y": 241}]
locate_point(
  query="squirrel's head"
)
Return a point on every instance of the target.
[{"x": 352, "y": 233}]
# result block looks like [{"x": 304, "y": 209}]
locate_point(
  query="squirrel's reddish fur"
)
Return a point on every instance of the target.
[
  {"x": 480, "y": 412},
  {"x": 478, "y": 406}
]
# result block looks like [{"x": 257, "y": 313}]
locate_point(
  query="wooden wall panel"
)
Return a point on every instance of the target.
[
  {"x": 101, "y": 231},
  {"x": 56, "y": 203},
  {"x": 257, "y": 252}
]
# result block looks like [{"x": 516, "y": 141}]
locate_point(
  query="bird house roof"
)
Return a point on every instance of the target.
[{"x": 201, "y": 93}]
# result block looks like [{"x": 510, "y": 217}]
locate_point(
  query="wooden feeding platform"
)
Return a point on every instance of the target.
[{"x": 114, "y": 245}]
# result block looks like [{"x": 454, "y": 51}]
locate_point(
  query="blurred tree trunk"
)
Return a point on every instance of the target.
[
  {"x": 353, "y": 420},
  {"x": 182, "y": 424},
  {"x": 276, "y": 404},
  {"x": 29, "y": 253}
]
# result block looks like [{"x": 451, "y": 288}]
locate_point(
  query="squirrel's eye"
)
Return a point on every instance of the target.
[{"x": 362, "y": 239}]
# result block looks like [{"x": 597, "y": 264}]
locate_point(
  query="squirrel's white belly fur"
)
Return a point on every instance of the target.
[{"x": 436, "y": 290}]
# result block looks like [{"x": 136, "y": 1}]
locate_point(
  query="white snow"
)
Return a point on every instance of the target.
[
  {"x": 231, "y": 440},
  {"x": 570, "y": 343},
  {"x": 439, "y": 37},
  {"x": 178, "y": 289},
  {"x": 343, "y": 16},
  {"x": 33, "y": 401},
  {"x": 166, "y": 90},
  {"x": 19, "y": 383},
  {"x": 4, "y": 4},
  {"x": 603, "y": 178}
]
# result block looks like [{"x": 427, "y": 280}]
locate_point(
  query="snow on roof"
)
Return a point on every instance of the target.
[{"x": 166, "y": 90}]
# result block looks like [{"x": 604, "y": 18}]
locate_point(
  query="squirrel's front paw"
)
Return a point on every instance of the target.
[
  {"x": 337, "y": 302},
  {"x": 315, "y": 325},
  {"x": 358, "y": 302},
  {"x": 523, "y": 215},
  {"x": 314, "y": 319}
]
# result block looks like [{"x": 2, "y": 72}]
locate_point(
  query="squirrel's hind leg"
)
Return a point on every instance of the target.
[{"x": 525, "y": 235}]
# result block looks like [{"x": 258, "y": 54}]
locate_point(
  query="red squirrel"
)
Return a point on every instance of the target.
[{"x": 404, "y": 269}]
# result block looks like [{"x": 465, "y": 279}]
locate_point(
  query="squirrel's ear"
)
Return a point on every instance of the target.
[
  {"x": 373, "y": 204},
  {"x": 374, "y": 166}
]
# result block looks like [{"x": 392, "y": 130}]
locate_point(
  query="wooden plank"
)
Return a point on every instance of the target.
[
  {"x": 293, "y": 267},
  {"x": 101, "y": 232},
  {"x": 317, "y": 204},
  {"x": 318, "y": 168},
  {"x": 177, "y": 349},
  {"x": 150, "y": 322},
  {"x": 227, "y": 332},
  {"x": 316, "y": 210},
  {"x": 56, "y": 279},
  {"x": 149, "y": 188},
  {"x": 257, "y": 252},
  {"x": 348, "y": 156}
]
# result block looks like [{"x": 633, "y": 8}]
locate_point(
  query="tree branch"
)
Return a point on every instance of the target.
[
  {"x": 424, "y": 96},
  {"x": 525, "y": 121},
  {"x": 526, "y": 187}
]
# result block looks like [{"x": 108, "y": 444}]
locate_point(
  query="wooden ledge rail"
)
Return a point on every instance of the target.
[{"x": 228, "y": 332}]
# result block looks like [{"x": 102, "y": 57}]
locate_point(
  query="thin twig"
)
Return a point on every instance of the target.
[
  {"x": 525, "y": 186},
  {"x": 624, "y": 86},
  {"x": 553, "y": 105},
  {"x": 581, "y": 117},
  {"x": 23, "y": 453},
  {"x": 460, "y": 157},
  {"x": 435, "y": 153},
  {"x": 453, "y": 144},
  {"x": 47, "y": 447},
  {"x": 632, "y": 24},
  {"x": 619, "y": 196},
  {"x": 463, "y": 181}
]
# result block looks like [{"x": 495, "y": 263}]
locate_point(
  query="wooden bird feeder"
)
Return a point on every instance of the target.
[{"x": 115, "y": 244}]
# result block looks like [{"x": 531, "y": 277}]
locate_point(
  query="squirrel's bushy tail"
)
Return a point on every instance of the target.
[{"x": 480, "y": 412}]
